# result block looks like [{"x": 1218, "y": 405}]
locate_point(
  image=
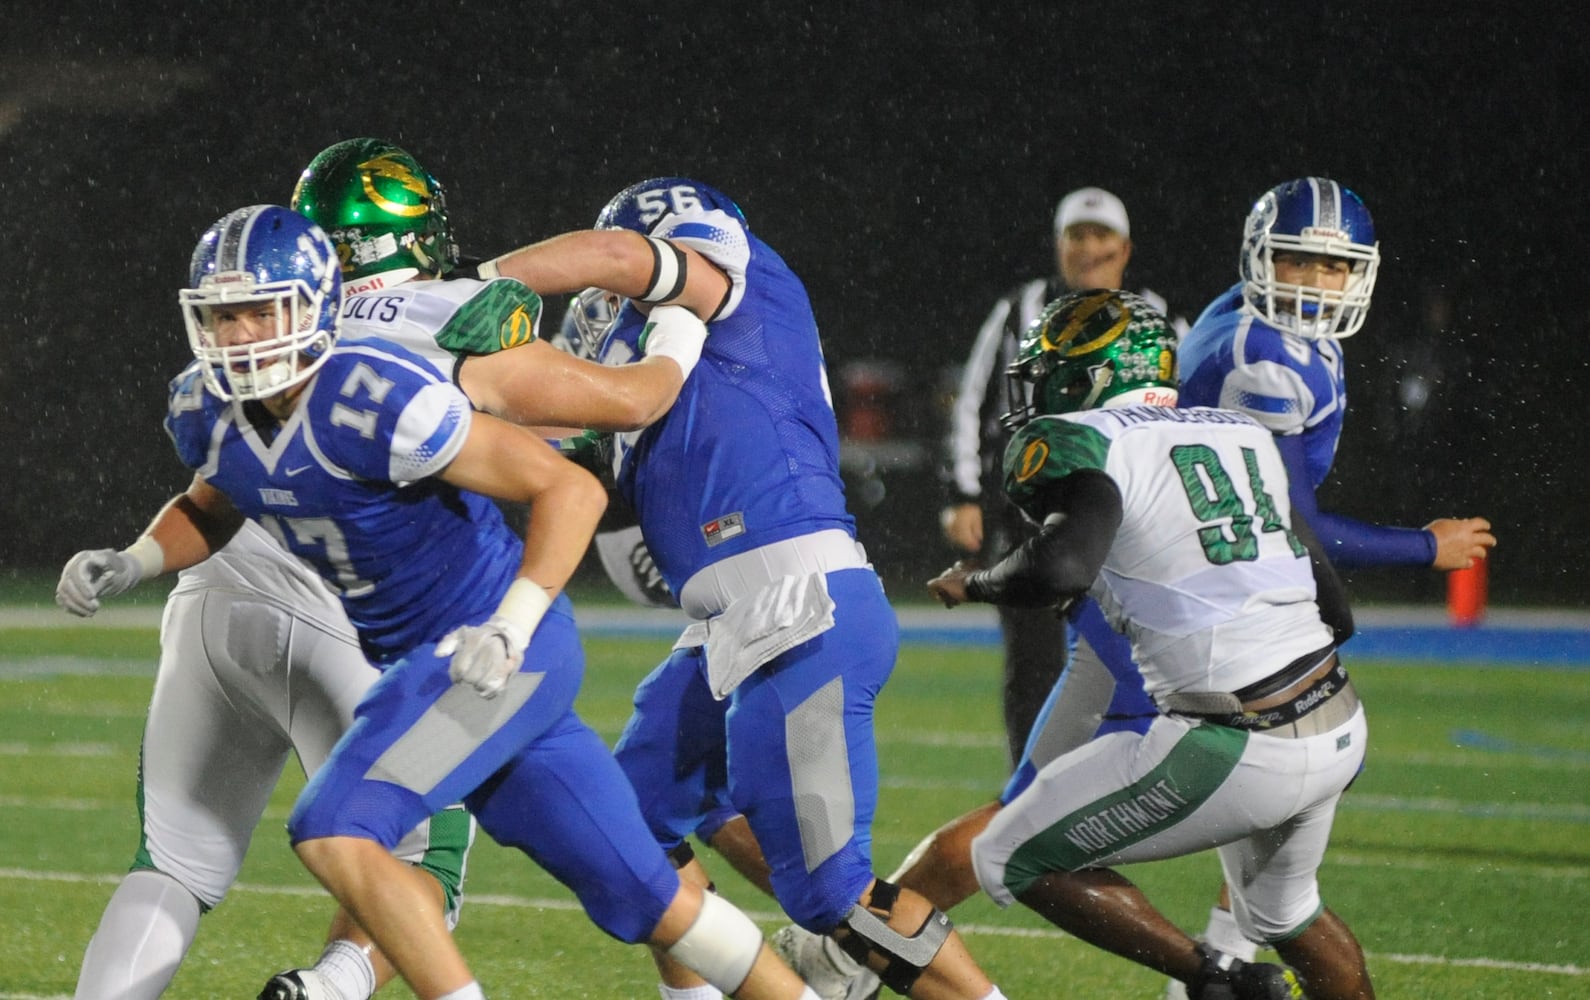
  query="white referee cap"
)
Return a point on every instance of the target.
[{"x": 1091, "y": 204}]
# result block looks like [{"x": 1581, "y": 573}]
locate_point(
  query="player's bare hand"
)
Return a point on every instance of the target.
[
  {"x": 963, "y": 526},
  {"x": 1459, "y": 541},
  {"x": 949, "y": 587}
]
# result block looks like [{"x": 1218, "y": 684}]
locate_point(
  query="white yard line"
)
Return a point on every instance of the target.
[{"x": 764, "y": 916}]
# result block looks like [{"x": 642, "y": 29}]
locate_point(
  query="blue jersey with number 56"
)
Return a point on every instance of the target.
[
  {"x": 348, "y": 484},
  {"x": 749, "y": 453}
]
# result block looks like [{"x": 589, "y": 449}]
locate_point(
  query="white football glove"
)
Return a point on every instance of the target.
[
  {"x": 485, "y": 656},
  {"x": 93, "y": 574},
  {"x": 674, "y": 332}
]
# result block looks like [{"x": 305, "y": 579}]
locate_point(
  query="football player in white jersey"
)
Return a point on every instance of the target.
[{"x": 1178, "y": 522}]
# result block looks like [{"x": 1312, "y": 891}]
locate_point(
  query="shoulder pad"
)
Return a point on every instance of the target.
[
  {"x": 1049, "y": 449},
  {"x": 503, "y": 314}
]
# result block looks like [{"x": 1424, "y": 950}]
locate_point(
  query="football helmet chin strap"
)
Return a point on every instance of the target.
[{"x": 870, "y": 935}]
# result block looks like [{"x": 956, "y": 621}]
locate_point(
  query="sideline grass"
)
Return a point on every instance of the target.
[{"x": 1461, "y": 858}]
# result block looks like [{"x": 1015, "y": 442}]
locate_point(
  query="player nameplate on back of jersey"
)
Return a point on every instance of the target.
[{"x": 724, "y": 528}]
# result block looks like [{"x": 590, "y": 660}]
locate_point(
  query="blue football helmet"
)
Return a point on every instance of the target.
[
  {"x": 640, "y": 207},
  {"x": 268, "y": 265},
  {"x": 1310, "y": 215}
]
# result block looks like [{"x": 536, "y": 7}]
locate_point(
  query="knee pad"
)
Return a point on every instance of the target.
[{"x": 863, "y": 935}]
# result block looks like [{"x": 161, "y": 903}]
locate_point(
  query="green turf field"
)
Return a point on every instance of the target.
[{"x": 1461, "y": 858}]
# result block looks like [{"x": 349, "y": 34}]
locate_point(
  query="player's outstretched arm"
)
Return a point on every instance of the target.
[
  {"x": 1459, "y": 541},
  {"x": 537, "y": 385},
  {"x": 1349, "y": 542},
  {"x": 185, "y": 531},
  {"x": 1057, "y": 564},
  {"x": 637, "y": 267}
]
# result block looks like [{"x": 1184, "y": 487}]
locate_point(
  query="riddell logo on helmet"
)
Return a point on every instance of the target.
[
  {"x": 1160, "y": 397},
  {"x": 1324, "y": 233}
]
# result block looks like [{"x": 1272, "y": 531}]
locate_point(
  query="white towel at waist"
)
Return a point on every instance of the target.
[
  {"x": 760, "y": 626},
  {"x": 711, "y": 589}
]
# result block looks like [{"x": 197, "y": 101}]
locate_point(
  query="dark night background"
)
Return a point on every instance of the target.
[{"x": 905, "y": 161}]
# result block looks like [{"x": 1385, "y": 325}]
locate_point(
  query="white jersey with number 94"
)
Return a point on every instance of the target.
[{"x": 1205, "y": 575}]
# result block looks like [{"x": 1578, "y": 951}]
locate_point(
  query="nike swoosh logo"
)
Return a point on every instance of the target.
[{"x": 301, "y": 468}]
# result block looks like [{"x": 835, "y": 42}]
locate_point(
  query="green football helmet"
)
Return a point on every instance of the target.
[
  {"x": 1095, "y": 348},
  {"x": 380, "y": 207}
]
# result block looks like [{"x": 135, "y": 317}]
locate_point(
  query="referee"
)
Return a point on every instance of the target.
[{"x": 1093, "y": 244}]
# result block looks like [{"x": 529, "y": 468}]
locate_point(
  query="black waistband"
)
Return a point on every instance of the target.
[
  {"x": 1326, "y": 687},
  {"x": 1286, "y": 676}
]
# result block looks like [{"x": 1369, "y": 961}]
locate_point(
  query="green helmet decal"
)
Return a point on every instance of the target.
[
  {"x": 379, "y": 206},
  {"x": 1093, "y": 348}
]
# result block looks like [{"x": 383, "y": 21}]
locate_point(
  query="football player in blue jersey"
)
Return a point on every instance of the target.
[
  {"x": 1271, "y": 347},
  {"x": 295, "y": 686},
  {"x": 362, "y": 458},
  {"x": 766, "y": 704}
]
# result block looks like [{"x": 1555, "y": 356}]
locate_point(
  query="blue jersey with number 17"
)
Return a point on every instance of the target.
[
  {"x": 347, "y": 483},
  {"x": 749, "y": 453}
]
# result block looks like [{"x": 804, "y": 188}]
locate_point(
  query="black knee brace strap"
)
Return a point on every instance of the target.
[
  {"x": 682, "y": 855},
  {"x": 904, "y": 957}
]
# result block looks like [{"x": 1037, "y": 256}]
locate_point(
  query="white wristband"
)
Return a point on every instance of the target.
[
  {"x": 487, "y": 269},
  {"x": 524, "y": 604},
  {"x": 147, "y": 554},
  {"x": 675, "y": 332}
]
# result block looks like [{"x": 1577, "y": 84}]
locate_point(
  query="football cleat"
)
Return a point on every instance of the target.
[
  {"x": 298, "y": 984},
  {"x": 1226, "y": 978},
  {"x": 830, "y": 973}
]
